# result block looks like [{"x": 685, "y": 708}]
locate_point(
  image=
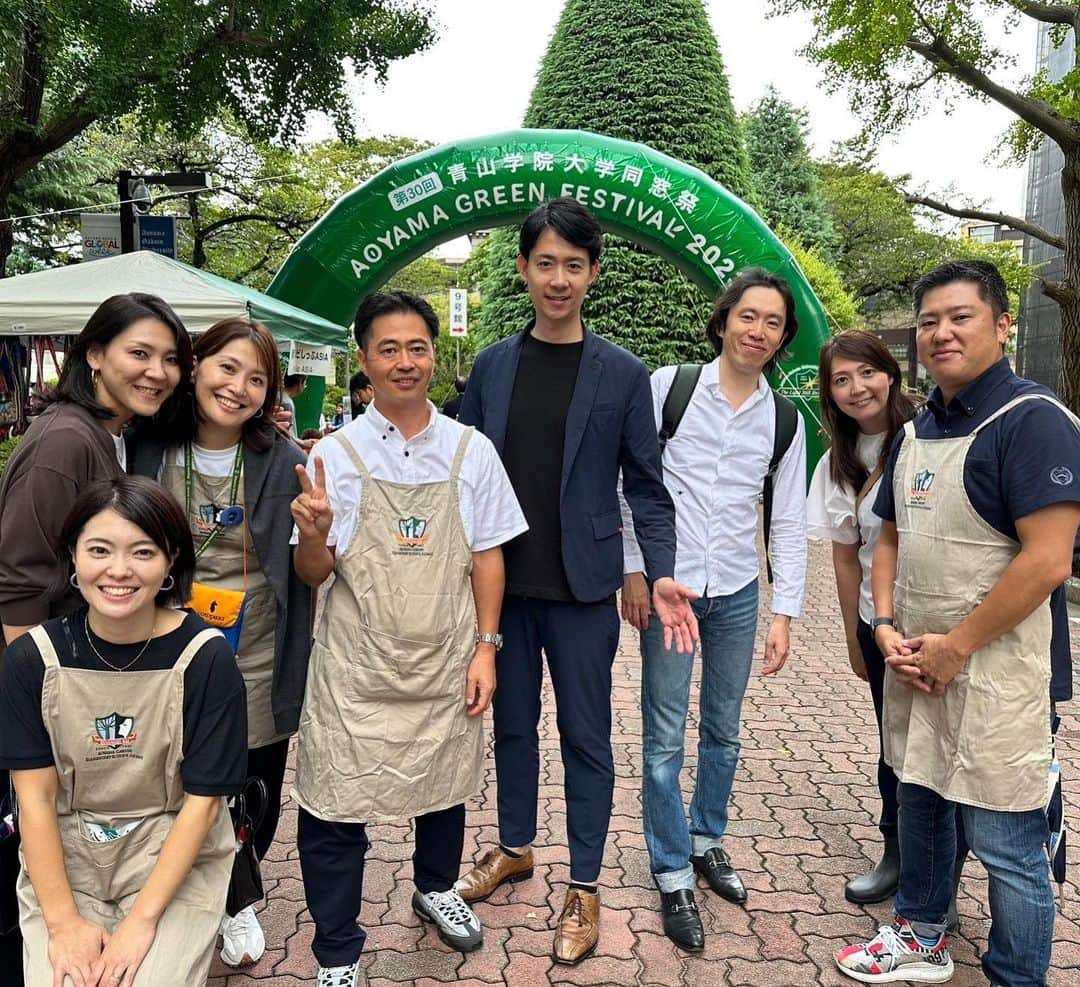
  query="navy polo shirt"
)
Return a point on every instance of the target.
[{"x": 1026, "y": 460}]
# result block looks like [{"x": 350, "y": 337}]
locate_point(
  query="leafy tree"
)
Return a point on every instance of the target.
[
  {"x": 786, "y": 177},
  {"x": 896, "y": 58},
  {"x": 65, "y": 64},
  {"x": 641, "y": 70},
  {"x": 840, "y": 308}
]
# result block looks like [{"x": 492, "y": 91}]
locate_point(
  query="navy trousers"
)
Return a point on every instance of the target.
[{"x": 579, "y": 640}]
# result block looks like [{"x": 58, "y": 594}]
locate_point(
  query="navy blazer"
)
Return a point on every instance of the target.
[{"x": 609, "y": 426}]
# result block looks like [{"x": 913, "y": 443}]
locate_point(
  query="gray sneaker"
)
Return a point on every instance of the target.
[
  {"x": 342, "y": 976},
  {"x": 455, "y": 921}
]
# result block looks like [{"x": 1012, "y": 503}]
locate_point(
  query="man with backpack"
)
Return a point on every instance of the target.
[{"x": 727, "y": 437}]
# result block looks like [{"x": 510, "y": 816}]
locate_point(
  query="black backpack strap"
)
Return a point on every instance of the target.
[
  {"x": 787, "y": 419},
  {"x": 678, "y": 397}
]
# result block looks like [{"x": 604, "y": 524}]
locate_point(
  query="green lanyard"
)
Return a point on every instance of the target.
[{"x": 189, "y": 458}]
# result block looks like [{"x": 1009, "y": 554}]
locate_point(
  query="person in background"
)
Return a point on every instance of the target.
[
  {"x": 294, "y": 385},
  {"x": 339, "y": 416},
  {"x": 453, "y": 404},
  {"x": 235, "y": 474},
  {"x": 863, "y": 406},
  {"x": 408, "y": 513},
  {"x": 360, "y": 393},
  {"x": 122, "y": 724}
]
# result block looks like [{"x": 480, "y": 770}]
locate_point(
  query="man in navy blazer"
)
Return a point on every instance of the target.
[{"x": 567, "y": 412}]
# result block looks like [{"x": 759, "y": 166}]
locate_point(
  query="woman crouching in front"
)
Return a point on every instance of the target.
[{"x": 123, "y": 725}]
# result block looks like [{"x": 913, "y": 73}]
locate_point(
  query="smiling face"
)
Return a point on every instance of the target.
[
  {"x": 399, "y": 359},
  {"x": 754, "y": 331},
  {"x": 861, "y": 391},
  {"x": 958, "y": 336},
  {"x": 230, "y": 389},
  {"x": 119, "y": 568},
  {"x": 136, "y": 370},
  {"x": 558, "y": 276}
]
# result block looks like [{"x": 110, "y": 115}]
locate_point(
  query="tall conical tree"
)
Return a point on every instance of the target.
[
  {"x": 786, "y": 176},
  {"x": 641, "y": 70}
]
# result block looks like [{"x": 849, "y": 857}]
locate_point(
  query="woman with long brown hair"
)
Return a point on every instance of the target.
[
  {"x": 235, "y": 473},
  {"x": 863, "y": 406}
]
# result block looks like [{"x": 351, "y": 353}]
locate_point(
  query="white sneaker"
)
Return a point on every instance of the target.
[
  {"x": 242, "y": 939},
  {"x": 341, "y": 976},
  {"x": 455, "y": 922}
]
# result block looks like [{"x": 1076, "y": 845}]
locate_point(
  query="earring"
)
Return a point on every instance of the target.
[
  {"x": 94, "y": 378},
  {"x": 74, "y": 580},
  {"x": 168, "y": 579},
  {"x": 259, "y": 413}
]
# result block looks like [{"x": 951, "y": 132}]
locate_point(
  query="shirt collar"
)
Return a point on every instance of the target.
[
  {"x": 381, "y": 426},
  {"x": 710, "y": 374},
  {"x": 968, "y": 400}
]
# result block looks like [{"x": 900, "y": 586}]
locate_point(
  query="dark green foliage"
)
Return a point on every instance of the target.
[
  {"x": 786, "y": 177},
  {"x": 647, "y": 71}
]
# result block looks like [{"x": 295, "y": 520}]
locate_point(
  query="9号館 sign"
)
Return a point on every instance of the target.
[{"x": 664, "y": 205}]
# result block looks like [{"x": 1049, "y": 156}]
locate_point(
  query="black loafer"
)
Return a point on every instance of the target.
[
  {"x": 682, "y": 923},
  {"x": 720, "y": 875}
]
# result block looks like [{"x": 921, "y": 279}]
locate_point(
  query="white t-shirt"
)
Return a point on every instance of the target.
[
  {"x": 830, "y": 514},
  {"x": 208, "y": 462},
  {"x": 490, "y": 512},
  {"x": 121, "y": 451}
]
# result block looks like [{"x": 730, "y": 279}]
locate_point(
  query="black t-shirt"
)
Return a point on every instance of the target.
[
  {"x": 215, "y": 709},
  {"x": 533, "y": 457}
]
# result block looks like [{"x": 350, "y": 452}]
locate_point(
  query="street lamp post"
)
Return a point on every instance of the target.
[{"x": 133, "y": 193}]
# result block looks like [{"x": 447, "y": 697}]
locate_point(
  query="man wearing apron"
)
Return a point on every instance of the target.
[
  {"x": 980, "y": 504},
  {"x": 407, "y": 509}
]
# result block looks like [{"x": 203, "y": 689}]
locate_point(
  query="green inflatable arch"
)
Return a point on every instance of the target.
[{"x": 663, "y": 204}]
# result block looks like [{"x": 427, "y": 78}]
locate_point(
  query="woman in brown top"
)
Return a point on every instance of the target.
[{"x": 125, "y": 365}]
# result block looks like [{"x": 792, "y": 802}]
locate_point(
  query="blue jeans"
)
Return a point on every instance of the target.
[
  {"x": 728, "y": 626},
  {"x": 1011, "y": 846}
]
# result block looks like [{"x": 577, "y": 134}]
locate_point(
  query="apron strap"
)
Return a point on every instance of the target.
[
  {"x": 350, "y": 451},
  {"x": 193, "y": 646},
  {"x": 459, "y": 456},
  {"x": 45, "y": 646},
  {"x": 1020, "y": 400}
]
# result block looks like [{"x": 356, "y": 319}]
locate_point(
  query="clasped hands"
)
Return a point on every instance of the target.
[{"x": 927, "y": 663}]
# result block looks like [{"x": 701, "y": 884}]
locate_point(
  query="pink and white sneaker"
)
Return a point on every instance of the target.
[{"x": 895, "y": 954}]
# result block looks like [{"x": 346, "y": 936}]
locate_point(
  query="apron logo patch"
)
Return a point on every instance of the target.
[
  {"x": 1061, "y": 475},
  {"x": 114, "y": 736},
  {"x": 207, "y": 515},
  {"x": 412, "y": 535},
  {"x": 919, "y": 494}
]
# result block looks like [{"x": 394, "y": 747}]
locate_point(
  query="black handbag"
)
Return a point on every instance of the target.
[{"x": 245, "y": 884}]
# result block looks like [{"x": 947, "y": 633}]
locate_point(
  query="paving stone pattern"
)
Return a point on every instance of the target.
[{"x": 803, "y": 821}]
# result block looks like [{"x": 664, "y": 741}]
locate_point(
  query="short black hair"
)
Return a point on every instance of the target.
[
  {"x": 148, "y": 506},
  {"x": 460, "y": 383},
  {"x": 753, "y": 277},
  {"x": 570, "y": 220},
  {"x": 391, "y": 303},
  {"x": 109, "y": 319},
  {"x": 291, "y": 380},
  {"x": 359, "y": 381},
  {"x": 984, "y": 275}
]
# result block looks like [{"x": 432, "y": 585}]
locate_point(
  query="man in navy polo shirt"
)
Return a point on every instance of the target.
[{"x": 980, "y": 504}]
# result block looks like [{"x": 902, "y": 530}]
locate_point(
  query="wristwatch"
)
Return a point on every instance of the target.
[
  {"x": 495, "y": 639},
  {"x": 882, "y": 622}
]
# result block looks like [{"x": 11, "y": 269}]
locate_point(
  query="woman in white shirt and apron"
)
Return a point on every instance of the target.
[
  {"x": 123, "y": 726},
  {"x": 863, "y": 407}
]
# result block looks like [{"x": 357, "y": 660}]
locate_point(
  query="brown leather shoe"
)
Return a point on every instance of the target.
[
  {"x": 494, "y": 869},
  {"x": 579, "y": 927}
]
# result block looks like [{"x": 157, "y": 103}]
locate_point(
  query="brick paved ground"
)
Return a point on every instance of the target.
[{"x": 803, "y": 821}]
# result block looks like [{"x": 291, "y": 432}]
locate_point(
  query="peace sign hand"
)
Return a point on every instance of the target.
[{"x": 311, "y": 508}]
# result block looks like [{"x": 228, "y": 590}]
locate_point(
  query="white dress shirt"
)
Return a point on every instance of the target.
[
  {"x": 489, "y": 510},
  {"x": 830, "y": 514},
  {"x": 714, "y": 468}
]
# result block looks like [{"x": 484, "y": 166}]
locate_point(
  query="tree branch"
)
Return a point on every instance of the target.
[
  {"x": 962, "y": 212},
  {"x": 1058, "y": 291},
  {"x": 1050, "y": 13},
  {"x": 1041, "y": 115}
]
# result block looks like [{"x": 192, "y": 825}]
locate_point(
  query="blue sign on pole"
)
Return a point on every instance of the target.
[{"x": 158, "y": 233}]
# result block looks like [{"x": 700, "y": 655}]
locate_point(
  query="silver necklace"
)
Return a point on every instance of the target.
[{"x": 103, "y": 660}]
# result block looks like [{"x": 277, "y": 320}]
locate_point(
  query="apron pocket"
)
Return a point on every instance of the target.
[
  {"x": 112, "y": 869},
  {"x": 390, "y": 667}
]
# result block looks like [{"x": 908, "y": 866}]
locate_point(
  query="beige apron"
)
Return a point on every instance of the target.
[
  {"x": 222, "y": 564},
  {"x": 383, "y": 733},
  {"x": 986, "y": 742},
  {"x": 117, "y": 740}
]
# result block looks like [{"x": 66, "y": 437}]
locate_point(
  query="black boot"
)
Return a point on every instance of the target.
[{"x": 880, "y": 883}]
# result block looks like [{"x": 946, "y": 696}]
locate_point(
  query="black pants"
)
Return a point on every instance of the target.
[
  {"x": 332, "y": 864},
  {"x": 875, "y": 674},
  {"x": 268, "y": 763},
  {"x": 11, "y": 960}
]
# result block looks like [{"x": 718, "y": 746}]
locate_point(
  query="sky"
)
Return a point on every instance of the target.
[{"x": 476, "y": 79}]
